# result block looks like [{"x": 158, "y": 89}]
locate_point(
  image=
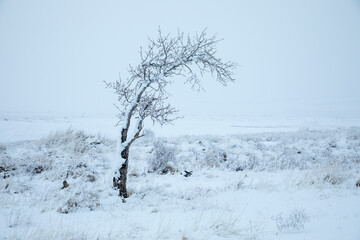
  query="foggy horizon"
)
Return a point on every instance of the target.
[{"x": 296, "y": 58}]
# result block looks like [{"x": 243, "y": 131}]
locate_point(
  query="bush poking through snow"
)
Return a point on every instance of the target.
[
  {"x": 61, "y": 170},
  {"x": 164, "y": 157},
  {"x": 295, "y": 221},
  {"x": 81, "y": 199},
  {"x": 333, "y": 179},
  {"x": 73, "y": 141},
  {"x": 357, "y": 183}
]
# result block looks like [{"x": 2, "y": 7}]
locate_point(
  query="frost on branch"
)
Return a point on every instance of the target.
[{"x": 143, "y": 94}]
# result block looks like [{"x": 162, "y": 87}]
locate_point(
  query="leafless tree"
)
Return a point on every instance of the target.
[{"x": 143, "y": 94}]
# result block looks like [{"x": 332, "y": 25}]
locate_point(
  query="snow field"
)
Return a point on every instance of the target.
[{"x": 239, "y": 185}]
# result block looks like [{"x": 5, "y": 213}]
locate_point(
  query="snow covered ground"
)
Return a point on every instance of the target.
[
  {"x": 252, "y": 178},
  {"x": 17, "y": 127}
]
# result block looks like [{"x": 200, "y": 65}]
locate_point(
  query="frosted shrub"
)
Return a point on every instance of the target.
[
  {"x": 253, "y": 162},
  {"x": 80, "y": 199},
  {"x": 295, "y": 221},
  {"x": 164, "y": 157},
  {"x": 72, "y": 141},
  {"x": 333, "y": 178},
  {"x": 148, "y": 133},
  {"x": 209, "y": 154}
]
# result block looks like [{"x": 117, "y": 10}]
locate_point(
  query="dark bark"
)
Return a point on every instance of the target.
[
  {"x": 123, "y": 134},
  {"x": 120, "y": 182}
]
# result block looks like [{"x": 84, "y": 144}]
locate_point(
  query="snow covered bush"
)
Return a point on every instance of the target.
[
  {"x": 206, "y": 152},
  {"x": 39, "y": 168},
  {"x": 324, "y": 174},
  {"x": 81, "y": 199},
  {"x": 253, "y": 162},
  {"x": 148, "y": 133},
  {"x": 214, "y": 157},
  {"x": 295, "y": 221},
  {"x": 73, "y": 141},
  {"x": 334, "y": 178},
  {"x": 164, "y": 157}
]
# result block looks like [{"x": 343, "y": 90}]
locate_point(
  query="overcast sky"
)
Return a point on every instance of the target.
[{"x": 297, "y": 58}]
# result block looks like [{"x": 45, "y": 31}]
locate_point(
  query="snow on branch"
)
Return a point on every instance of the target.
[{"x": 143, "y": 94}]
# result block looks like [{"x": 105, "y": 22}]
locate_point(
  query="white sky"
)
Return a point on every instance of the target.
[{"x": 298, "y": 58}]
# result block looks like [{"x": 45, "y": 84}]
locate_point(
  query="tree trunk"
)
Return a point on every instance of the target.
[{"x": 120, "y": 181}]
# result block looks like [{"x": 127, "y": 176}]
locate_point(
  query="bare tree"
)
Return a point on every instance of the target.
[{"x": 143, "y": 95}]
